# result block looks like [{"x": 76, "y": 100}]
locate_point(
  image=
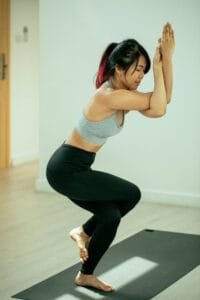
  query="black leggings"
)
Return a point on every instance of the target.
[{"x": 108, "y": 197}]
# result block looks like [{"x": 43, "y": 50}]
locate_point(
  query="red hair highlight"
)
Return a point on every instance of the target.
[{"x": 103, "y": 73}]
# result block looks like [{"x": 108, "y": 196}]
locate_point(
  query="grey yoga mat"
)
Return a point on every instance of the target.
[{"x": 139, "y": 267}]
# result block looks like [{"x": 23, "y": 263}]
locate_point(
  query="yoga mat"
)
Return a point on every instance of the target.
[{"x": 139, "y": 267}]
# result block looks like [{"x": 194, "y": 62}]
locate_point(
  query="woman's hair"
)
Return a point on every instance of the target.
[{"x": 123, "y": 54}]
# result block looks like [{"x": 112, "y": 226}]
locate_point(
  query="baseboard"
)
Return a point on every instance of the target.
[
  {"x": 179, "y": 199},
  {"x": 20, "y": 159},
  {"x": 171, "y": 198},
  {"x": 41, "y": 185}
]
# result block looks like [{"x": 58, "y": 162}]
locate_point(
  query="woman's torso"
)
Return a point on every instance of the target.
[{"x": 93, "y": 111}]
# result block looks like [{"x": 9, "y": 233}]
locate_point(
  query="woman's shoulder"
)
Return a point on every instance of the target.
[
  {"x": 96, "y": 108},
  {"x": 102, "y": 94}
]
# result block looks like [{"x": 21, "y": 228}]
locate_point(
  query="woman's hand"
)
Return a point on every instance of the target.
[
  {"x": 167, "y": 41},
  {"x": 167, "y": 45}
]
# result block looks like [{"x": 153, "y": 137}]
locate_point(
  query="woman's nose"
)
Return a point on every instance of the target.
[{"x": 141, "y": 76}]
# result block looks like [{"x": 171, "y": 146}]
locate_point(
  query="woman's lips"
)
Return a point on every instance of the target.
[{"x": 137, "y": 82}]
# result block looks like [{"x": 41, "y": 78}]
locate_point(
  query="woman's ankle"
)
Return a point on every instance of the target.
[
  {"x": 84, "y": 274},
  {"x": 84, "y": 232}
]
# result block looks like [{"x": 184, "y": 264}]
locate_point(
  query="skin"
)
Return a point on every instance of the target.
[
  {"x": 97, "y": 109},
  {"x": 132, "y": 78},
  {"x": 167, "y": 46}
]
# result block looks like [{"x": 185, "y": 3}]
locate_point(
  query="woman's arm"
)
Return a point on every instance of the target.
[
  {"x": 168, "y": 77},
  {"x": 158, "y": 105},
  {"x": 167, "y": 45}
]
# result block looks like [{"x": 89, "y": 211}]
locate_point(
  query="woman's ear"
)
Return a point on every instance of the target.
[{"x": 118, "y": 70}]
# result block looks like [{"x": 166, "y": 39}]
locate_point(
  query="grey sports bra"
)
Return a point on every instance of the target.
[{"x": 98, "y": 131}]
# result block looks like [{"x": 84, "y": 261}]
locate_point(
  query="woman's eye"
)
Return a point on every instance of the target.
[{"x": 140, "y": 70}]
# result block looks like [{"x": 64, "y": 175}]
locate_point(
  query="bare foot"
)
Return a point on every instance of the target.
[
  {"x": 82, "y": 240},
  {"x": 92, "y": 281}
]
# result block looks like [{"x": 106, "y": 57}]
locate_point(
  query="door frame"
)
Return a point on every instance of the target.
[{"x": 5, "y": 160}]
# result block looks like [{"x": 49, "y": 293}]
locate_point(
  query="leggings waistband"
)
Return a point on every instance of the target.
[{"x": 78, "y": 153}]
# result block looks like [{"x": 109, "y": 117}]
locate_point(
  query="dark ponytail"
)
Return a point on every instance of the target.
[
  {"x": 123, "y": 54},
  {"x": 102, "y": 74}
]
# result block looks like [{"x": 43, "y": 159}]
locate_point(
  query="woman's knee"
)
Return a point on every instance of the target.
[{"x": 137, "y": 194}]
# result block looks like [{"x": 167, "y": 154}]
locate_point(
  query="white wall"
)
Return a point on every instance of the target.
[
  {"x": 24, "y": 81},
  {"x": 160, "y": 155}
]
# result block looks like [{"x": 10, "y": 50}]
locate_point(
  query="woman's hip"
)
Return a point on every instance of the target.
[
  {"x": 68, "y": 155},
  {"x": 65, "y": 162}
]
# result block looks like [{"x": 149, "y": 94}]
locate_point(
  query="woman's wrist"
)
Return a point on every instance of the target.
[
  {"x": 167, "y": 57},
  {"x": 167, "y": 63}
]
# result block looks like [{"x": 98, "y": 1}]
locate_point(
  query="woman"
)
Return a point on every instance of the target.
[{"x": 69, "y": 171}]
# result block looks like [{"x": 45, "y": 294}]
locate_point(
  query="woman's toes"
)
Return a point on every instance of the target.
[
  {"x": 81, "y": 241},
  {"x": 83, "y": 255}
]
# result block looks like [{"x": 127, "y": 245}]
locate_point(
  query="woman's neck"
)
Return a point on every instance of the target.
[{"x": 115, "y": 83}]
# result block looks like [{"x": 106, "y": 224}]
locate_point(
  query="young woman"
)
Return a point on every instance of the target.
[{"x": 69, "y": 171}]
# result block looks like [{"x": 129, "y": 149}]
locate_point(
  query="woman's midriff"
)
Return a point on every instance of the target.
[{"x": 78, "y": 141}]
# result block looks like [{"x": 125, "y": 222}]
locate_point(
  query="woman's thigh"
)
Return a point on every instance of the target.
[
  {"x": 105, "y": 211},
  {"x": 93, "y": 185}
]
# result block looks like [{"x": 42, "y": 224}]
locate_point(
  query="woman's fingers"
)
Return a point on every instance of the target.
[
  {"x": 157, "y": 54},
  {"x": 167, "y": 40},
  {"x": 167, "y": 31},
  {"x": 172, "y": 33}
]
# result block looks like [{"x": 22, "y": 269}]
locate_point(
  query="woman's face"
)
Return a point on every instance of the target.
[{"x": 133, "y": 77}]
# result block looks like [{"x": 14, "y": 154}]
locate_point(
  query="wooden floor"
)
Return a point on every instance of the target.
[{"x": 34, "y": 227}]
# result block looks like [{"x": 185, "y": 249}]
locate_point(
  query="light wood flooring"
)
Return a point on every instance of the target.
[{"x": 34, "y": 242}]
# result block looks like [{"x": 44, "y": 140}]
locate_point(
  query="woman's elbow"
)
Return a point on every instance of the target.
[
  {"x": 168, "y": 100},
  {"x": 160, "y": 113}
]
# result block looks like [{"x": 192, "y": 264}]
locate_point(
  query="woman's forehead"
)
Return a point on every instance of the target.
[{"x": 141, "y": 62}]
